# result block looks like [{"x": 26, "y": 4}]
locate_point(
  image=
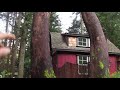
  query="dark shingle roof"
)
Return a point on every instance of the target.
[{"x": 58, "y": 43}]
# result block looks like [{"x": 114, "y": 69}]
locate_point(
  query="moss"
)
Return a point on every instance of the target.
[
  {"x": 101, "y": 65},
  {"x": 107, "y": 74},
  {"x": 49, "y": 74},
  {"x": 93, "y": 55},
  {"x": 98, "y": 49},
  {"x": 95, "y": 58}
]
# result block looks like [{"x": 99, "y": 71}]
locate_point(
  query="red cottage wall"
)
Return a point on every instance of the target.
[
  {"x": 65, "y": 65},
  {"x": 64, "y": 58},
  {"x": 113, "y": 64}
]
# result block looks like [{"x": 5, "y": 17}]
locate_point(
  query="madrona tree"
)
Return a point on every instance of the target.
[
  {"x": 41, "y": 59},
  {"x": 99, "y": 65}
]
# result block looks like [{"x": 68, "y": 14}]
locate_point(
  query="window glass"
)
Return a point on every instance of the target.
[
  {"x": 82, "y": 41},
  {"x": 84, "y": 44},
  {"x": 80, "y": 57},
  {"x": 84, "y": 62},
  {"x": 85, "y": 58},
  {"x": 80, "y": 62}
]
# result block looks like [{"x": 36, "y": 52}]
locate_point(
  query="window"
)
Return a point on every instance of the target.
[
  {"x": 85, "y": 42},
  {"x": 83, "y": 61}
]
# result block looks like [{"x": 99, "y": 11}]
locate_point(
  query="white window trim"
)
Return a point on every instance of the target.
[
  {"x": 87, "y": 42},
  {"x": 88, "y": 60}
]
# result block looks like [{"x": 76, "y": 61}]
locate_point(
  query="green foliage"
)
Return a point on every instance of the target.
[
  {"x": 111, "y": 25},
  {"x": 75, "y": 28},
  {"x": 27, "y": 26},
  {"x": 5, "y": 74},
  {"x": 49, "y": 74},
  {"x": 107, "y": 74},
  {"x": 98, "y": 49},
  {"x": 101, "y": 65},
  {"x": 55, "y": 23},
  {"x": 115, "y": 75},
  {"x": 77, "y": 25}
]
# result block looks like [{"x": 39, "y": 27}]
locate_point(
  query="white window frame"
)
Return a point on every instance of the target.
[
  {"x": 87, "y": 42},
  {"x": 81, "y": 42},
  {"x": 88, "y": 60}
]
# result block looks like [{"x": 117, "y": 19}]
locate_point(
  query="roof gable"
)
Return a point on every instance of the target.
[{"x": 58, "y": 43}]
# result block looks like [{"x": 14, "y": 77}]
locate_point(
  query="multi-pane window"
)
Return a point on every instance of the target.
[
  {"x": 83, "y": 42},
  {"x": 83, "y": 61}
]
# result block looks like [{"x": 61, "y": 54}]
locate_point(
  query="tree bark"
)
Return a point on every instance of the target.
[
  {"x": 41, "y": 59},
  {"x": 22, "y": 55},
  {"x": 10, "y": 43},
  {"x": 22, "y": 50},
  {"x": 99, "y": 65},
  {"x": 15, "y": 45},
  {"x": 81, "y": 25},
  {"x": 7, "y": 24}
]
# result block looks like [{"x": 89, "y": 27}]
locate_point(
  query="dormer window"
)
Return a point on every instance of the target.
[{"x": 84, "y": 42}]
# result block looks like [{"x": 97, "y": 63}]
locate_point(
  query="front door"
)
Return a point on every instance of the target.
[{"x": 83, "y": 62}]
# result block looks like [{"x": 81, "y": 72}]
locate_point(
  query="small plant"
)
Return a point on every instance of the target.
[
  {"x": 107, "y": 74},
  {"x": 101, "y": 64},
  {"x": 49, "y": 74},
  {"x": 115, "y": 75},
  {"x": 5, "y": 74}
]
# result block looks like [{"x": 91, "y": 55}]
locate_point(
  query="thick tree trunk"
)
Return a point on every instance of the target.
[
  {"x": 99, "y": 65},
  {"x": 41, "y": 59},
  {"x": 16, "y": 43}
]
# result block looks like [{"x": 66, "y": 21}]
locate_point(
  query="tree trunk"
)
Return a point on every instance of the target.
[
  {"x": 10, "y": 43},
  {"x": 15, "y": 45},
  {"x": 22, "y": 51},
  {"x": 81, "y": 25},
  {"x": 41, "y": 59},
  {"x": 7, "y": 24},
  {"x": 22, "y": 55},
  {"x": 99, "y": 65}
]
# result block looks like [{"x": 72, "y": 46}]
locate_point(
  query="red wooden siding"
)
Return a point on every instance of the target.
[
  {"x": 68, "y": 70},
  {"x": 63, "y": 58},
  {"x": 65, "y": 65},
  {"x": 113, "y": 64},
  {"x": 54, "y": 62},
  {"x": 118, "y": 65}
]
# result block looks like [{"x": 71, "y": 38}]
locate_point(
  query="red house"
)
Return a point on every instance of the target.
[{"x": 71, "y": 55}]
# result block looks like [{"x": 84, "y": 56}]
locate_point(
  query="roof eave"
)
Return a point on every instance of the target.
[{"x": 82, "y": 51}]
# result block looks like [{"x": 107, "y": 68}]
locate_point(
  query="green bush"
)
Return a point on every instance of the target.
[
  {"x": 50, "y": 74},
  {"x": 116, "y": 75},
  {"x": 5, "y": 74}
]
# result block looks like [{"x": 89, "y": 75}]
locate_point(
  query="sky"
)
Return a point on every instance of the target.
[
  {"x": 2, "y": 26},
  {"x": 65, "y": 18}
]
